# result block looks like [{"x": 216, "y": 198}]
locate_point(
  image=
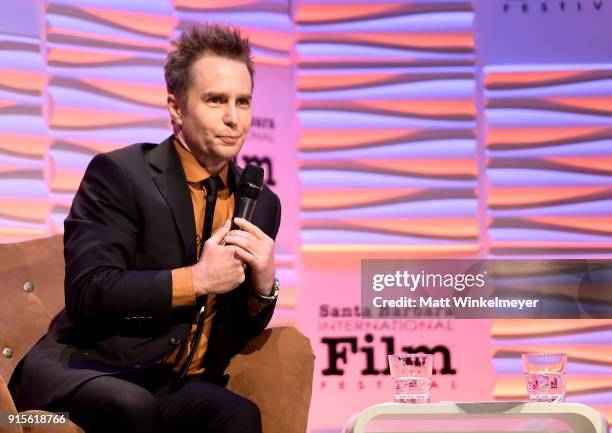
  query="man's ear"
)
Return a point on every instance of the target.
[{"x": 175, "y": 110}]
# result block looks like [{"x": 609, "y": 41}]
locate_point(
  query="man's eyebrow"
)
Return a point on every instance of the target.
[
  {"x": 206, "y": 95},
  {"x": 212, "y": 95}
]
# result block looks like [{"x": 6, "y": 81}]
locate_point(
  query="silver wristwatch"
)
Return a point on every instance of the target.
[{"x": 269, "y": 298}]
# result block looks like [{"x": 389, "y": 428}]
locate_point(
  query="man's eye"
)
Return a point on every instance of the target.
[
  {"x": 244, "y": 101},
  {"x": 215, "y": 100}
]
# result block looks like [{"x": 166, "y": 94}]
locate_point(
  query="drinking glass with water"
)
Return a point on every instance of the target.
[
  {"x": 545, "y": 376},
  {"x": 411, "y": 374}
]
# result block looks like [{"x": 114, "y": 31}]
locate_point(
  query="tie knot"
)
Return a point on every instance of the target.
[{"x": 211, "y": 185}]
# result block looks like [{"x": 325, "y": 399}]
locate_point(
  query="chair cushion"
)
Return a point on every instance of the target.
[
  {"x": 37, "y": 266},
  {"x": 275, "y": 371}
]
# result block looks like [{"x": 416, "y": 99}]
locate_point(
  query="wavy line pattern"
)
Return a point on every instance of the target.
[
  {"x": 267, "y": 23},
  {"x": 549, "y": 131},
  {"x": 23, "y": 139},
  {"x": 387, "y": 113},
  {"x": 104, "y": 89},
  {"x": 548, "y": 137}
]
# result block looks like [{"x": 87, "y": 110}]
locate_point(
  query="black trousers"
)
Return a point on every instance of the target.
[{"x": 146, "y": 402}]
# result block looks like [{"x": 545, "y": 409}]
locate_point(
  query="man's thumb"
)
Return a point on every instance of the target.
[{"x": 217, "y": 236}]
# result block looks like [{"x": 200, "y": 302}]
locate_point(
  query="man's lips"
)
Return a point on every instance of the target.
[{"x": 229, "y": 139}]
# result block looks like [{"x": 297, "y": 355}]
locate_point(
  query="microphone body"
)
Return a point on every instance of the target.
[
  {"x": 244, "y": 209},
  {"x": 249, "y": 187}
]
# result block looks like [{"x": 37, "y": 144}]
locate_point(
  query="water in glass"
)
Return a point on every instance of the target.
[
  {"x": 411, "y": 389},
  {"x": 545, "y": 387}
]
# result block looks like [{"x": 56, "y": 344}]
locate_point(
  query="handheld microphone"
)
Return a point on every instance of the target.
[{"x": 249, "y": 187}]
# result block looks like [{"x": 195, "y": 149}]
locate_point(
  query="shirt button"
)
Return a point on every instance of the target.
[
  {"x": 7, "y": 352},
  {"x": 28, "y": 286},
  {"x": 175, "y": 341}
]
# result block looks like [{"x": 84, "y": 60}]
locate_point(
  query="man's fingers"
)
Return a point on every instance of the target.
[
  {"x": 217, "y": 236},
  {"x": 242, "y": 234},
  {"x": 244, "y": 255},
  {"x": 241, "y": 242},
  {"x": 250, "y": 227}
]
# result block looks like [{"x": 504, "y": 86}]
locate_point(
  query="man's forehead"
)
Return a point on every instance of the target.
[{"x": 218, "y": 72}]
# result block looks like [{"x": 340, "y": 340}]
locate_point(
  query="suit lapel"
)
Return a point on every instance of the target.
[
  {"x": 233, "y": 177},
  {"x": 169, "y": 178}
]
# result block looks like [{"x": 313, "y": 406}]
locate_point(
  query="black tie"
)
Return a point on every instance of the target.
[{"x": 212, "y": 186}]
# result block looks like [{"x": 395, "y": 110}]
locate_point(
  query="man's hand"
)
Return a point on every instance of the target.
[
  {"x": 256, "y": 249},
  {"x": 219, "y": 269}
]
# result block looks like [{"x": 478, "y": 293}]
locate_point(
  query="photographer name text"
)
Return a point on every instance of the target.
[{"x": 463, "y": 302}]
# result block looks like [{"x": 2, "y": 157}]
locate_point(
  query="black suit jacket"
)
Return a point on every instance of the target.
[{"x": 131, "y": 222}]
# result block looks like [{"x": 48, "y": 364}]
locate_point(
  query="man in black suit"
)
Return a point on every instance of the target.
[{"x": 156, "y": 305}]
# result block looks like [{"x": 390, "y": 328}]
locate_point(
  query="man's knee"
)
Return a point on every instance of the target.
[
  {"x": 249, "y": 411},
  {"x": 109, "y": 404},
  {"x": 244, "y": 416},
  {"x": 134, "y": 400}
]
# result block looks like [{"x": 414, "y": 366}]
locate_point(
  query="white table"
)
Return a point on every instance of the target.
[{"x": 485, "y": 417}]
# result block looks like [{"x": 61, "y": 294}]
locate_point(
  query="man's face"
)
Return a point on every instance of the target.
[{"x": 216, "y": 115}]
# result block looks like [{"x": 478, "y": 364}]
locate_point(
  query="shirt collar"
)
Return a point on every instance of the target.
[{"x": 194, "y": 171}]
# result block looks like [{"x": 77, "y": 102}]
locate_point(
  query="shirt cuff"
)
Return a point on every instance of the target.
[
  {"x": 256, "y": 306},
  {"x": 183, "y": 293}
]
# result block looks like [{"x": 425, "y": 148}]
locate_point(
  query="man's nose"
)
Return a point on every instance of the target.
[{"x": 230, "y": 117}]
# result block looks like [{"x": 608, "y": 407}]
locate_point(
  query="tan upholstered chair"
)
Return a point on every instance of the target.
[{"x": 274, "y": 370}]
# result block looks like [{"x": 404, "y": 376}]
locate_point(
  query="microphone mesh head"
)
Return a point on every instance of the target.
[{"x": 251, "y": 181}]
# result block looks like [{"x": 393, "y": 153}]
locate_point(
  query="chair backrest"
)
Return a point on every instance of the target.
[{"x": 31, "y": 293}]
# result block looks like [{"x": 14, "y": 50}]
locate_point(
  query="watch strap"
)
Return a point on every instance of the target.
[{"x": 269, "y": 298}]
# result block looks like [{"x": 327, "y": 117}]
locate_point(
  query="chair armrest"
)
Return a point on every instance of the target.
[
  {"x": 7, "y": 406},
  {"x": 275, "y": 370}
]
